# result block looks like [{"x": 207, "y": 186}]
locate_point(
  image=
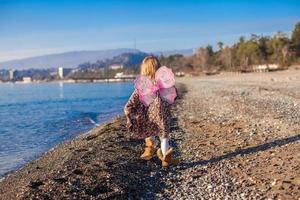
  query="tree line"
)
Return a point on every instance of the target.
[{"x": 279, "y": 49}]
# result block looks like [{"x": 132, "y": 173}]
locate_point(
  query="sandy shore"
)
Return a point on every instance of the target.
[{"x": 238, "y": 137}]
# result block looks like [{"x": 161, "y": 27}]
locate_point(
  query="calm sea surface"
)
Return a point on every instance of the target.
[{"x": 36, "y": 117}]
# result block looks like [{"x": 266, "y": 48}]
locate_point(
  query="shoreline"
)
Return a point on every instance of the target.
[
  {"x": 237, "y": 137},
  {"x": 72, "y": 81},
  {"x": 118, "y": 80},
  {"x": 59, "y": 152},
  {"x": 64, "y": 123},
  {"x": 79, "y": 135}
]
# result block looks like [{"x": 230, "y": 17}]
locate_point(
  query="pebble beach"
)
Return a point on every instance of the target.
[{"x": 237, "y": 137}]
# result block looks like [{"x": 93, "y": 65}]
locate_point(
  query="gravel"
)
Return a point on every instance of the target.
[{"x": 237, "y": 136}]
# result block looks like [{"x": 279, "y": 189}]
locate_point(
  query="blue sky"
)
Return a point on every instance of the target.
[{"x": 29, "y": 28}]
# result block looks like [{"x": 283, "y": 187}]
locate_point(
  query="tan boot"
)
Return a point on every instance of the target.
[
  {"x": 149, "y": 149},
  {"x": 167, "y": 160}
]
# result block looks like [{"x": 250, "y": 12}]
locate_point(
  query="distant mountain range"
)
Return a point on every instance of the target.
[
  {"x": 185, "y": 52},
  {"x": 74, "y": 58}
]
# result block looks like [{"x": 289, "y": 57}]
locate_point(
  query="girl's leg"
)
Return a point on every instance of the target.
[
  {"x": 165, "y": 153},
  {"x": 164, "y": 145},
  {"x": 149, "y": 148},
  {"x": 150, "y": 139}
]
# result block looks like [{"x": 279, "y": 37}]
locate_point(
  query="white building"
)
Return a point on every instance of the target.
[
  {"x": 60, "y": 72},
  {"x": 122, "y": 75},
  {"x": 63, "y": 72},
  {"x": 114, "y": 67},
  {"x": 27, "y": 80},
  {"x": 273, "y": 67},
  {"x": 265, "y": 67},
  {"x": 11, "y": 74},
  {"x": 180, "y": 74},
  {"x": 195, "y": 50}
]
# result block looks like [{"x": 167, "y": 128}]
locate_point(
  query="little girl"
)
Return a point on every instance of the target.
[{"x": 148, "y": 110}]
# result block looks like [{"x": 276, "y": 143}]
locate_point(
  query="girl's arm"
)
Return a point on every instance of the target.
[{"x": 131, "y": 104}]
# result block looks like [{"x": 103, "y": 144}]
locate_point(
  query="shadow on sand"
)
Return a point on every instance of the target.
[{"x": 242, "y": 152}]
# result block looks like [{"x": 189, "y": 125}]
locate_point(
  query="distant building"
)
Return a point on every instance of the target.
[
  {"x": 27, "y": 80},
  {"x": 195, "y": 50},
  {"x": 53, "y": 73},
  {"x": 273, "y": 67},
  {"x": 63, "y": 72},
  {"x": 265, "y": 67},
  {"x": 260, "y": 68},
  {"x": 122, "y": 75},
  {"x": 11, "y": 74},
  {"x": 116, "y": 67},
  {"x": 75, "y": 70},
  {"x": 180, "y": 74}
]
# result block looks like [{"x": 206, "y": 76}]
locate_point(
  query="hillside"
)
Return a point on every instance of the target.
[
  {"x": 68, "y": 59},
  {"x": 75, "y": 58},
  {"x": 184, "y": 52},
  {"x": 128, "y": 60}
]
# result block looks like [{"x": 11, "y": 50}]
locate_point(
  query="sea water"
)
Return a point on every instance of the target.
[{"x": 36, "y": 117}]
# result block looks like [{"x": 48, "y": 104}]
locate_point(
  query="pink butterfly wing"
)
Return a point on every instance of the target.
[
  {"x": 168, "y": 94},
  {"x": 164, "y": 77},
  {"x": 144, "y": 87},
  {"x": 166, "y": 83}
]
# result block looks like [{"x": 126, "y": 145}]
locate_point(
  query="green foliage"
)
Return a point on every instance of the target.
[
  {"x": 295, "y": 43},
  {"x": 243, "y": 55},
  {"x": 173, "y": 61},
  {"x": 296, "y": 34},
  {"x": 220, "y": 45}
]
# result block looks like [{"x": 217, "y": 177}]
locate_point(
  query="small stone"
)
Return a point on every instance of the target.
[{"x": 274, "y": 182}]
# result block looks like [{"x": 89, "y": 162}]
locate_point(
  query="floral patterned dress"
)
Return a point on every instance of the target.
[{"x": 148, "y": 121}]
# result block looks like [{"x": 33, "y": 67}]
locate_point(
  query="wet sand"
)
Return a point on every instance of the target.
[{"x": 237, "y": 135}]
